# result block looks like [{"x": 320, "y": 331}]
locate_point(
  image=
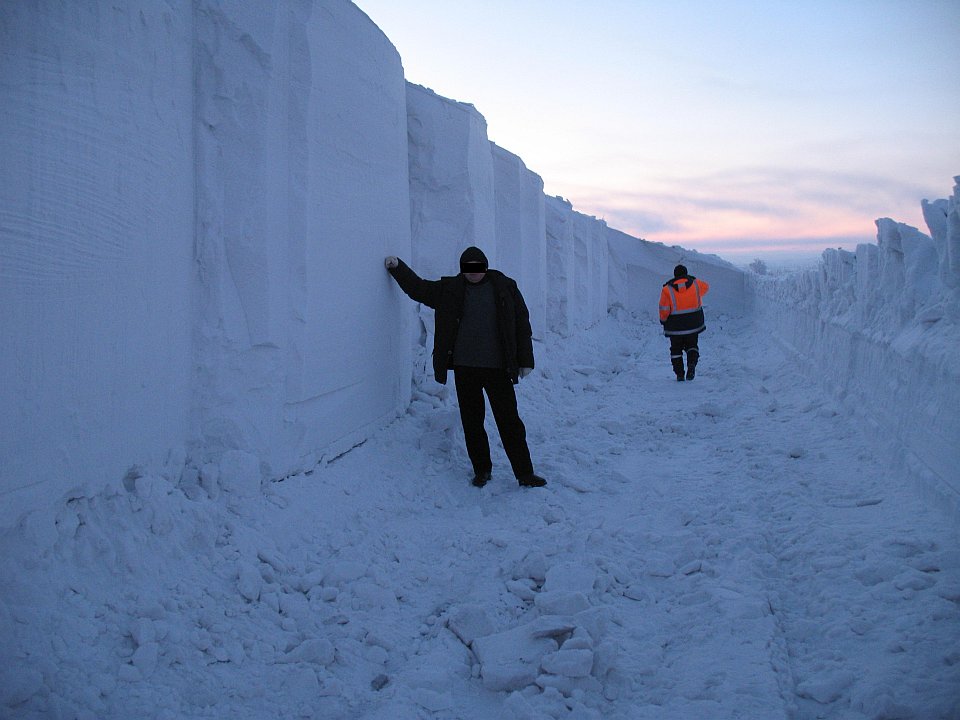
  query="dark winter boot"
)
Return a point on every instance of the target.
[
  {"x": 693, "y": 356},
  {"x": 677, "y": 362},
  {"x": 481, "y": 478},
  {"x": 531, "y": 480}
]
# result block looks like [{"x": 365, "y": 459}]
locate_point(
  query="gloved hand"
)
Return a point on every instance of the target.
[
  {"x": 391, "y": 261},
  {"x": 525, "y": 371}
]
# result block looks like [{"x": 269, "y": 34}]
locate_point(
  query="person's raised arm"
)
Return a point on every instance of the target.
[{"x": 423, "y": 291}]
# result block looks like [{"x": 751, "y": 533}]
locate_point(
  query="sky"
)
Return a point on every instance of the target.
[{"x": 748, "y": 129}]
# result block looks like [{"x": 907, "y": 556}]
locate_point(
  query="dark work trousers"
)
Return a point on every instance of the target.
[
  {"x": 471, "y": 383},
  {"x": 680, "y": 344}
]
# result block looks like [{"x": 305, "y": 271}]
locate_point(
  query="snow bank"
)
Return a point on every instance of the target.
[
  {"x": 577, "y": 260},
  {"x": 96, "y": 242},
  {"x": 452, "y": 203},
  {"x": 521, "y": 232},
  {"x": 881, "y": 326},
  {"x": 196, "y": 201},
  {"x": 302, "y": 189}
]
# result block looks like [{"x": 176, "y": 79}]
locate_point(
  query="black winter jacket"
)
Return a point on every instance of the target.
[{"x": 445, "y": 296}]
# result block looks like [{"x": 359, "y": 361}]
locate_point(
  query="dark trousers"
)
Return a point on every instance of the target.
[
  {"x": 471, "y": 383},
  {"x": 680, "y": 344}
]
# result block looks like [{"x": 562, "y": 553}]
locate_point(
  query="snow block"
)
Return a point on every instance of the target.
[
  {"x": 561, "y": 602},
  {"x": 96, "y": 244},
  {"x": 219, "y": 286},
  {"x": 568, "y": 662},
  {"x": 469, "y": 622},
  {"x": 301, "y": 190},
  {"x": 318, "y": 651},
  {"x": 572, "y": 577},
  {"x": 510, "y": 660},
  {"x": 452, "y": 204},
  {"x": 521, "y": 232},
  {"x": 249, "y": 582},
  {"x": 577, "y": 267}
]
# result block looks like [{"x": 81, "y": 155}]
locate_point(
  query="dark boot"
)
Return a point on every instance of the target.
[
  {"x": 531, "y": 481},
  {"x": 481, "y": 478},
  {"x": 677, "y": 362},
  {"x": 693, "y": 356}
]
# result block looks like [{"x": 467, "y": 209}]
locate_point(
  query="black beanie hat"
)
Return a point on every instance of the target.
[
  {"x": 680, "y": 271},
  {"x": 473, "y": 260}
]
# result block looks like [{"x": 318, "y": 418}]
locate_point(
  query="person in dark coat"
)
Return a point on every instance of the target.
[{"x": 482, "y": 333}]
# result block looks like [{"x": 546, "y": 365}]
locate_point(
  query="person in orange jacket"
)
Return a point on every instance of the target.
[{"x": 681, "y": 314}]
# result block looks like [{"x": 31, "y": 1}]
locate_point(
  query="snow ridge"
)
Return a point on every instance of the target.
[{"x": 881, "y": 328}]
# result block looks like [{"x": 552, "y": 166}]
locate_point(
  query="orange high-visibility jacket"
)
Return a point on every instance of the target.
[{"x": 681, "y": 306}]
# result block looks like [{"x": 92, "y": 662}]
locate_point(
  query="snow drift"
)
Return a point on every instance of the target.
[
  {"x": 196, "y": 200},
  {"x": 881, "y": 327}
]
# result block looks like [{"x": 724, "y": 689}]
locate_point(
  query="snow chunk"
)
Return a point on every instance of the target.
[
  {"x": 510, "y": 660},
  {"x": 145, "y": 658},
  {"x": 318, "y": 651},
  {"x": 569, "y": 685},
  {"x": 561, "y": 602},
  {"x": 249, "y": 582},
  {"x": 570, "y": 663},
  {"x": 469, "y": 622},
  {"x": 571, "y": 576}
]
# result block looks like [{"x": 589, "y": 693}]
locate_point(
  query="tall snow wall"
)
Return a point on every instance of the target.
[
  {"x": 452, "y": 204},
  {"x": 195, "y": 200},
  {"x": 302, "y": 190},
  {"x": 96, "y": 243},
  {"x": 577, "y": 268},
  {"x": 521, "y": 232},
  {"x": 882, "y": 327}
]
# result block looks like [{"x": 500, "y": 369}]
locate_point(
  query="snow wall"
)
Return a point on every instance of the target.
[
  {"x": 196, "y": 199},
  {"x": 881, "y": 326},
  {"x": 96, "y": 242}
]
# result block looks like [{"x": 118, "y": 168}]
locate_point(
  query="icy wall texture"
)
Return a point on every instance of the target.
[
  {"x": 302, "y": 189},
  {"x": 96, "y": 242},
  {"x": 577, "y": 267},
  {"x": 452, "y": 203},
  {"x": 882, "y": 326},
  {"x": 521, "y": 232},
  {"x": 195, "y": 200}
]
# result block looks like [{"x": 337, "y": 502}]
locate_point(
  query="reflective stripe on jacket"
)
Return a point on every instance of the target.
[{"x": 681, "y": 306}]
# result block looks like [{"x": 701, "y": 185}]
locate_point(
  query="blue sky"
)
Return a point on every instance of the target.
[{"x": 751, "y": 129}]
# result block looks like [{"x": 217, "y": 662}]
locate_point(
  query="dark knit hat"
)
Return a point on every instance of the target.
[
  {"x": 473, "y": 261},
  {"x": 680, "y": 271}
]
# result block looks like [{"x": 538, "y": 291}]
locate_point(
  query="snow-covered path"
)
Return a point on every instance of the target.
[{"x": 732, "y": 547}]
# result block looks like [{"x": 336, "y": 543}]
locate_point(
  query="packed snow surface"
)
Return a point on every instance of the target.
[{"x": 731, "y": 547}]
